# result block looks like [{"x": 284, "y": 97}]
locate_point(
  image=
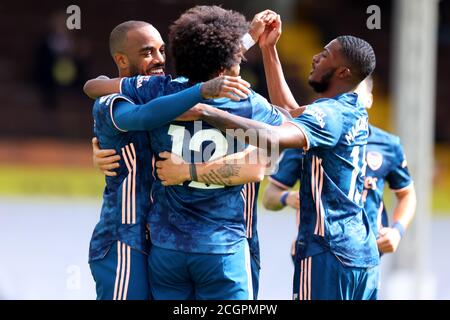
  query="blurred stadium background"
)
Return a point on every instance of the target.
[{"x": 50, "y": 194}]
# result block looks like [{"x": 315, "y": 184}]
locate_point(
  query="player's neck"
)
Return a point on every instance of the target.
[
  {"x": 336, "y": 90},
  {"x": 125, "y": 73}
]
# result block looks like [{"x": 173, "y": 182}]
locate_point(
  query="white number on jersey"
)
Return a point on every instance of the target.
[
  {"x": 353, "y": 194},
  {"x": 214, "y": 135}
]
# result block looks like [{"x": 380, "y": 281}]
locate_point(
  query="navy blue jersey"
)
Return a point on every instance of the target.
[
  {"x": 331, "y": 211},
  {"x": 386, "y": 161},
  {"x": 126, "y": 197},
  {"x": 289, "y": 169},
  {"x": 195, "y": 217},
  {"x": 249, "y": 194}
]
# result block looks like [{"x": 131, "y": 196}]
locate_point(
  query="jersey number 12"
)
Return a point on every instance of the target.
[{"x": 195, "y": 144}]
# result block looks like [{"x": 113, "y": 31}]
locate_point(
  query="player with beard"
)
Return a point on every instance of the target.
[
  {"x": 189, "y": 215},
  {"x": 337, "y": 256},
  {"x": 119, "y": 245},
  {"x": 217, "y": 172}
]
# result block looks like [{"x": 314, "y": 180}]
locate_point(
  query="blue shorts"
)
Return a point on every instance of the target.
[
  {"x": 122, "y": 274},
  {"x": 324, "y": 277},
  {"x": 177, "y": 275}
]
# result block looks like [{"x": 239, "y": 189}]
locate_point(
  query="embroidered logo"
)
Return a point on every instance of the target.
[{"x": 374, "y": 160}]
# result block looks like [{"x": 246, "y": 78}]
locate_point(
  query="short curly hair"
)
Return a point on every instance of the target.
[
  {"x": 359, "y": 53},
  {"x": 205, "y": 40}
]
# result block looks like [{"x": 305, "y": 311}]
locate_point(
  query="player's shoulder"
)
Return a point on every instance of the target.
[
  {"x": 140, "y": 81},
  {"x": 255, "y": 99},
  {"x": 379, "y": 135},
  {"x": 323, "y": 105},
  {"x": 108, "y": 100},
  {"x": 175, "y": 85},
  {"x": 103, "y": 113},
  {"x": 324, "y": 111}
]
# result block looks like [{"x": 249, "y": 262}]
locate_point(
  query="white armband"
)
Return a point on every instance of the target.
[{"x": 247, "y": 41}]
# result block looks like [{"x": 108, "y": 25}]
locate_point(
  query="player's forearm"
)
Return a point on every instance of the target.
[
  {"x": 95, "y": 88},
  {"x": 286, "y": 114},
  {"x": 254, "y": 132},
  {"x": 279, "y": 91},
  {"x": 156, "y": 112},
  {"x": 234, "y": 169},
  {"x": 229, "y": 174},
  {"x": 406, "y": 206},
  {"x": 271, "y": 198}
]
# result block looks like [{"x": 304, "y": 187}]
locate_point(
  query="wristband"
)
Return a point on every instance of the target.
[
  {"x": 193, "y": 172},
  {"x": 400, "y": 228},
  {"x": 247, "y": 41},
  {"x": 283, "y": 198}
]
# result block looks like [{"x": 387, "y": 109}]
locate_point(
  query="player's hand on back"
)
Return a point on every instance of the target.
[
  {"x": 389, "y": 240},
  {"x": 105, "y": 160},
  {"x": 259, "y": 22},
  {"x": 234, "y": 88},
  {"x": 271, "y": 34},
  {"x": 172, "y": 169},
  {"x": 192, "y": 114}
]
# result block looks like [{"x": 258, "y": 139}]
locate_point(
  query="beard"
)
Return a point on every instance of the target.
[
  {"x": 134, "y": 70},
  {"x": 324, "y": 83}
]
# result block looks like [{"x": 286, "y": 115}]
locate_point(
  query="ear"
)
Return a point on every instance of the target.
[
  {"x": 221, "y": 72},
  {"x": 343, "y": 72},
  {"x": 369, "y": 101},
  {"x": 121, "y": 60}
]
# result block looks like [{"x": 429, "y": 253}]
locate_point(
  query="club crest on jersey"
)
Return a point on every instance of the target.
[{"x": 374, "y": 160}]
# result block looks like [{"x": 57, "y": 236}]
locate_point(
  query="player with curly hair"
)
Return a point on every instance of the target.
[{"x": 199, "y": 246}]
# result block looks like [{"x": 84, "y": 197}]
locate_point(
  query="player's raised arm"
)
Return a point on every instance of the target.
[
  {"x": 257, "y": 26},
  {"x": 285, "y": 136},
  {"x": 101, "y": 86},
  {"x": 279, "y": 91},
  {"x": 231, "y": 170}
]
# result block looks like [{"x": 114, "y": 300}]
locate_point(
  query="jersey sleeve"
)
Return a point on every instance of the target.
[
  {"x": 128, "y": 116},
  {"x": 399, "y": 177},
  {"x": 321, "y": 124},
  {"x": 144, "y": 88},
  {"x": 288, "y": 169},
  {"x": 263, "y": 111},
  {"x": 103, "y": 115}
]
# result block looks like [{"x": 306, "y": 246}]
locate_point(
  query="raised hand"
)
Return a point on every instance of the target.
[
  {"x": 259, "y": 22},
  {"x": 271, "y": 33},
  {"x": 234, "y": 88}
]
